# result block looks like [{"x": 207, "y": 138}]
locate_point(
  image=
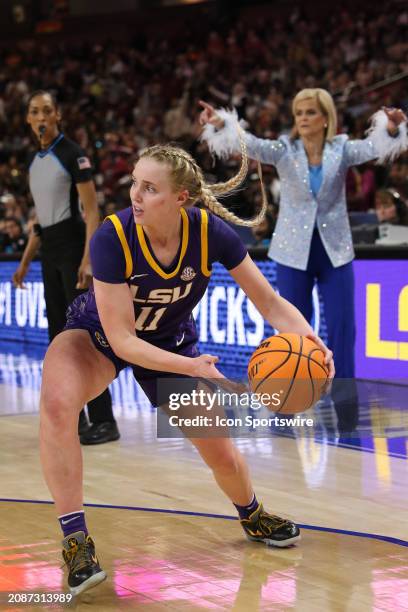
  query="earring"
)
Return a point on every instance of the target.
[{"x": 325, "y": 125}]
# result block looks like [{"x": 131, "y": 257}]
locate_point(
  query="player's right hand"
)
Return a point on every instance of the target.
[
  {"x": 328, "y": 354},
  {"x": 19, "y": 275},
  {"x": 209, "y": 115},
  {"x": 204, "y": 367}
]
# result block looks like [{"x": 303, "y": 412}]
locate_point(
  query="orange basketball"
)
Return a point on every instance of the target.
[{"x": 290, "y": 370}]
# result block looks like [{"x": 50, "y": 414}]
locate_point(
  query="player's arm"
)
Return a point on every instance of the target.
[
  {"x": 116, "y": 312},
  {"x": 279, "y": 313},
  {"x": 87, "y": 195}
]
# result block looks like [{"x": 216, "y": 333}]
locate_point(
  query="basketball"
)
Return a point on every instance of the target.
[{"x": 290, "y": 370}]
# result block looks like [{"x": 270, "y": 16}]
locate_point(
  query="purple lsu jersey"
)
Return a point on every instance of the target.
[{"x": 163, "y": 297}]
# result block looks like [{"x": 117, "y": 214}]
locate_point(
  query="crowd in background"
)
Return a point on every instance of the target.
[{"x": 117, "y": 98}]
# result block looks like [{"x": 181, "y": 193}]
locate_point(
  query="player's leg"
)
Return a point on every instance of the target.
[
  {"x": 103, "y": 425},
  {"x": 228, "y": 466},
  {"x": 232, "y": 476},
  {"x": 74, "y": 372},
  {"x": 224, "y": 459},
  {"x": 56, "y": 299}
]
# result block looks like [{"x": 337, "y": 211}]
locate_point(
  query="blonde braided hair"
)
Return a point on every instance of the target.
[{"x": 186, "y": 174}]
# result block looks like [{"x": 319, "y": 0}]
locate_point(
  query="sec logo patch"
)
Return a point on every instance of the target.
[{"x": 187, "y": 274}]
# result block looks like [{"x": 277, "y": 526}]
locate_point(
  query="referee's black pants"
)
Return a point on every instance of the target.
[{"x": 62, "y": 247}]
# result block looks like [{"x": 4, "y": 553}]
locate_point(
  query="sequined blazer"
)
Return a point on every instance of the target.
[{"x": 299, "y": 210}]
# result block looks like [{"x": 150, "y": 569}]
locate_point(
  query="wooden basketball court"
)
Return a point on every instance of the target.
[{"x": 169, "y": 540}]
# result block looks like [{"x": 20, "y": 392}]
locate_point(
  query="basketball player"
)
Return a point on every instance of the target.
[{"x": 151, "y": 264}]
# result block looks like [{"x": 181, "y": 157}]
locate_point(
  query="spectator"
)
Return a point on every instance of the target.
[
  {"x": 16, "y": 240},
  {"x": 263, "y": 231},
  {"x": 390, "y": 207},
  {"x": 360, "y": 186},
  {"x": 10, "y": 206},
  {"x": 398, "y": 177}
]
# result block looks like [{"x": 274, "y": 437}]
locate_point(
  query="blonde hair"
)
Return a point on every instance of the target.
[
  {"x": 185, "y": 173},
  {"x": 326, "y": 105}
]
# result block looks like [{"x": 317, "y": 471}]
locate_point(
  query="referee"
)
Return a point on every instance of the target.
[{"x": 59, "y": 172}]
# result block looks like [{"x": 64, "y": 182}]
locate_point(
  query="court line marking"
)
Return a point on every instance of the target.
[
  {"x": 359, "y": 534},
  {"x": 366, "y": 449},
  {"x": 363, "y": 449}
]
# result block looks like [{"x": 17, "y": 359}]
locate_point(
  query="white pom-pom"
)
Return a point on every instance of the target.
[
  {"x": 387, "y": 147},
  {"x": 225, "y": 141}
]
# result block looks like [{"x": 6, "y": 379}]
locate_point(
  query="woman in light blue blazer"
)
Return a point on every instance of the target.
[{"x": 312, "y": 241}]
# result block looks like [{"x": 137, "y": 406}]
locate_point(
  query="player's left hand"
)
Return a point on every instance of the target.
[
  {"x": 328, "y": 355},
  {"x": 84, "y": 276},
  {"x": 204, "y": 367}
]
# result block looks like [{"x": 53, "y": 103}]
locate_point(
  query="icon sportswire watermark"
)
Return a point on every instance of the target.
[{"x": 196, "y": 408}]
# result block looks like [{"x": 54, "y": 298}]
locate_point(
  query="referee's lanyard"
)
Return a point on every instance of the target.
[{"x": 43, "y": 152}]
